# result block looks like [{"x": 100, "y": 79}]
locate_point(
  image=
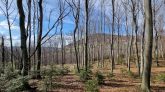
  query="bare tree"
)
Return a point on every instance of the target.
[
  {"x": 142, "y": 39},
  {"x": 148, "y": 46},
  {"x": 7, "y": 12},
  {"x": 135, "y": 10},
  {"x": 156, "y": 8},
  {"x": 61, "y": 8},
  {"x": 118, "y": 19},
  {"x": 86, "y": 32},
  {"x": 23, "y": 34},
  {"x": 34, "y": 34},
  {"x": 112, "y": 36},
  {"x": 28, "y": 28},
  {"x": 3, "y": 53},
  {"x": 75, "y": 6},
  {"x": 39, "y": 38},
  {"x": 126, "y": 29}
]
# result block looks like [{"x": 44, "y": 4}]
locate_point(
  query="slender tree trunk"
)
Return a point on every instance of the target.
[
  {"x": 162, "y": 50},
  {"x": 61, "y": 7},
  {"x": 23, "y": 37},
  {"x": 142, "y": 52},
  {"x": 148, "y": 46},
  {"x": 76, "y": 52},
  {"x": 62, "y": 42},
  {"x": 102, "y": 55},
  {"x": 39, "y": 39},
  {"x": 127, "y": 54},
  {"x": 156, "y": 33},
  {"x": 118, "y": 42},
  {"x": 29, "y": 29},
  {"x": 34, "y": 34},
  {"x": 130, "y": 52},
  {"x": 86, "y": 33},
  {"x": 75, "y": 30},
  {"x": 11, "y": 43},
  {"x": 135, "y": 29},
  {"x": 101, "y": 31},
  {"x": 112, "y": 36},
  {"x": 156, "y": 49},
  {"x": 3, "y": 54},
  {"x": 136, "y": 43}
]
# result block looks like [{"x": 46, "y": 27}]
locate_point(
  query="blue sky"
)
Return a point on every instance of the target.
[
  {"x": 68, "y": 21},
  {"x": 48, "y": 5}
]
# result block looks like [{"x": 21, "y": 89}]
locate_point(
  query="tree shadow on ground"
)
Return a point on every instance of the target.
[
  {"x": 68, "y": 86},
  {"x": 112, "y": 84},
  {"x": 158, "y": 88}
]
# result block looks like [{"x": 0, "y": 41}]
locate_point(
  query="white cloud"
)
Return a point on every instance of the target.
[
  {"x": 67, "y": 20},
  {"x": 4, "y": 25},
  {"x": 57, "y": 40}
]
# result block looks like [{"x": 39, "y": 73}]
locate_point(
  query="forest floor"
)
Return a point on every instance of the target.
[{"x": 120, "y": 82}]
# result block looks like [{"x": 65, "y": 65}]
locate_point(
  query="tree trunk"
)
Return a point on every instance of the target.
[
  {"x": 34, "y": 28},
  {"x": 62, "y": 42},
  {"x": 75, "y": 30},
  {"x": 86, "y": 34},
  {"x": 156, "y": 49},
  {"x": 130, "y": 52},
  {"x": 148, "y": 46},
  {"x": 23, "y": 37},
  {"x": 142, "y": 52},
  {"x": 11, "y": 42},
  {"x": 29, "y": 30},
  {"x": 112, "y": 36},
  {"x": 135, "y": 27},
  {"x": 39, "y": 39},
  {"x": 3, "y": 54}
]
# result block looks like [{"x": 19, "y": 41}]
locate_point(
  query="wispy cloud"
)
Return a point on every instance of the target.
[
  {"x": 4, "y": 25},
  {"x": 67, "y": 20}
]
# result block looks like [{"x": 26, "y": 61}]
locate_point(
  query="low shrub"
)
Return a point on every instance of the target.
[
  {"x": 161, "y": 77},
  {"x": 1, "y": 70},
  {"x": 110, "y": 75},
  {"x": 55, "y": 71},
  {"x": 3, "y": 82},
  {"x": 131, "y": 74},
  {"x": 91, "y": 86},
  {"x": 62, "y": 71},
  {"x": 99, "y": 77},
  {"x": 10, "y": 74},
  {"x": 12, "y": 81},
  {"x": 47, "y": 84},
  {"x": 126, "y": 72},
  {"x": 18, "y": 84},
  {"x": 123, "y": 71},
  {"x": 84, "y": 75}
]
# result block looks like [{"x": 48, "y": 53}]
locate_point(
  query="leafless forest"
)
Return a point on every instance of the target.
[{"x": 82, "y": 45}]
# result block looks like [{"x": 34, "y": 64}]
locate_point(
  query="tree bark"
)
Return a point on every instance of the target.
[
  {"x": 148, "y": 46},
  {"x": 112, "y": 36},
  {"x": 23, "y": 37},
  {"x": 3, "y": 54},
  {"x": 29, "y": 30},
  {"x": 136, "y": 44},
  {"x": 39, "y": 39},
  {"x": 86, "y": 33},
  {"x": 142, "y": 51},
  {"x": 34, "y": 33},
  {"x": 76, "y": 15}
]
